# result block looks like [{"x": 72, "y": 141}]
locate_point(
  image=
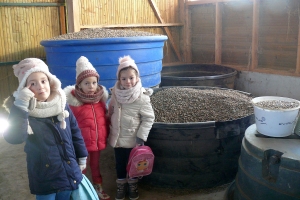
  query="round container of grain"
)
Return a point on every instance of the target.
[
  {"x": 103, "y": 48},
  {"x": 275, "y": 116}
]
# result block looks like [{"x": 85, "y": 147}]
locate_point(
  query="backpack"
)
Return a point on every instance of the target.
[{"x": 140, "y": 162}]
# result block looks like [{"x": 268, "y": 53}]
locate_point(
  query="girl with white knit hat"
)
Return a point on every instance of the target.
[
  {"x": 132, "y": 117},
  {"x": 87, "y": 100},
  {"x": 55, "y": 150}
]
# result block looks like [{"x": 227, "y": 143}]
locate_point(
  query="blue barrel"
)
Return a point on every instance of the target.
[{"x": 104, "y": 53}]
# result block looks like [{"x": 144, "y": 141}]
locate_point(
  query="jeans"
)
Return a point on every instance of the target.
[{"x": 63, "y": 195}]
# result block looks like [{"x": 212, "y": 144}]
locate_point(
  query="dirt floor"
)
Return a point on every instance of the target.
[{"x": 14, "y": 181}]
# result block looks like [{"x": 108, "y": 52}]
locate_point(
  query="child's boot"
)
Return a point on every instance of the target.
[
  {"x": 121, "y": 189},
  {"x": 133, "y": 189},
  {"x": 100, "y": 192}
]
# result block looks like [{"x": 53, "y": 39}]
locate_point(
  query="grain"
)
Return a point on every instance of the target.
[
  {"x": 276, "y": 104},
  {"x": 102, "y": 33},
  {"x": 183, "y": 105}
]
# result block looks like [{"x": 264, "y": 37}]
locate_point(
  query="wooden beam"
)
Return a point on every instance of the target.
[
  {"x": 218, "y": 34},
  {"x": 254, "y": 49},
  {"x": 166, "y": 29},
  {"x": 73, "y": 14},
  {"x": 298, "y": 49},
  {"x": 199, "y": 2},
  {"x": 131, "y": 25},
  {"x": 62, "y": 20},
  {"x": 186, "y": 31}
]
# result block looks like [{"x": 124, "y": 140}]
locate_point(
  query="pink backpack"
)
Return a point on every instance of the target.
[{"x": 140, "y": 161}]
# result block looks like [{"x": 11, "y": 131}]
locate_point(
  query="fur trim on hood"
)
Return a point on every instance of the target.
[
  {"x": 73, "y": 101},
  {"x": 8, "y": 103}
]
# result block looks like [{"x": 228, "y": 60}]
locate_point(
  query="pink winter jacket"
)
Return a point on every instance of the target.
[{"x": 91, "y": 118}]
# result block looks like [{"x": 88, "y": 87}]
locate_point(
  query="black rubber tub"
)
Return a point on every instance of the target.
[
  {"x": 198, "y": 75},
  {"x": 196, "y": 155}
]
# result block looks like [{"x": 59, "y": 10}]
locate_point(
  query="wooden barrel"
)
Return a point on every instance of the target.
[{"x": 269, "y": 168}]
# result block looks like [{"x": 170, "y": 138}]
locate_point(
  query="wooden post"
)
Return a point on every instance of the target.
[
  {"x": 218, "y": 34},
  {"x": 254, "y": 56},
  {"x": 187, "y": 47},
  {"x": 166, "y": 29},
  {"x": 73, "y": 15},
  {"x": 298, "y": 50},
  {"x": 62, "y": 20}
]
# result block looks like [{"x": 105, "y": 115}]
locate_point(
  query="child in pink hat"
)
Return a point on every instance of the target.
[
  {"x": 87, "y": 99},
  {"x": 55, "y": 150},
  {"x": 132, "y": 116}
]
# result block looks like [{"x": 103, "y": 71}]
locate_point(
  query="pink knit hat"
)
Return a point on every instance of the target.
[
  {"x": 30, "y": 65},
  {"x": 84, "y": 69},
  {"x": 24, "y": 68},
  {"x": 127, "y": 61}
]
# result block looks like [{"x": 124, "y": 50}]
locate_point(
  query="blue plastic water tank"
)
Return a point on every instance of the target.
[{"x": 104, "y": 53}]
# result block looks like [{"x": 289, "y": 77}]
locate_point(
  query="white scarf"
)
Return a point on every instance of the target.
[
  {"x": 54, "y": 106},
  {"x": 129, "y": 95}
]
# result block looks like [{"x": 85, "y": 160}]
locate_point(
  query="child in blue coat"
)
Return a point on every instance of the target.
[{"x": 55, "y": 150}]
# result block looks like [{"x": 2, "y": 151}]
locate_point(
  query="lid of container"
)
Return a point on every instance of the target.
[{"x": 289, "y": 147}]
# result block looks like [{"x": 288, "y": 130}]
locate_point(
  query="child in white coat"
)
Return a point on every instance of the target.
[{"x": 132, "y": 117}]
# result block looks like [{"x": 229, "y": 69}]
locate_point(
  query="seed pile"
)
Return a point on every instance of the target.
[
  {"x": 276, "y": 104},
  {"x": 102, "y": 33},
  {"x": 183, "y": 105}
]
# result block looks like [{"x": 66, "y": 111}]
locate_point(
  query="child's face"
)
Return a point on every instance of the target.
[
  {"x": 89, "y": 85},
  {"x": 38, "y": 83},
  {"x": 128, "y": 78}
]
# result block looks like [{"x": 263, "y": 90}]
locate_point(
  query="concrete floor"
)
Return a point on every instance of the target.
[{"x": 14, "y": 181}]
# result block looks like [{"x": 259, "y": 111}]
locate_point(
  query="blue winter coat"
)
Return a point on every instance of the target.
[{"x": 52, "y": 152}]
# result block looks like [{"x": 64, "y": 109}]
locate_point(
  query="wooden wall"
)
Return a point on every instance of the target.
[
  {"x": 252, "y": 35},
  {"x": 141, "y": 15},
  {"x": 24, "y": 23}
]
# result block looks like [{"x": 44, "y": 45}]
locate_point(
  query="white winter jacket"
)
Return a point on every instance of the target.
[{"x": 129, "y": 121}]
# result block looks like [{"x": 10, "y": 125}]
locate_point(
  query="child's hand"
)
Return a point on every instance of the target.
[
  {"x": 25, "y": 99},
  {"x": 82, "y": 163},
  {"x": 139, "y": 141},
  {"x": 82, "y": 167}
]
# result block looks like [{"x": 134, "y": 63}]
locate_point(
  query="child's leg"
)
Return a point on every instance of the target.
[
  {"x": 63, "y": 195},
  {"x": 96, "y": 175},
  {"x": 95, "y": 167},
  {"x": 121, "y": 156}
]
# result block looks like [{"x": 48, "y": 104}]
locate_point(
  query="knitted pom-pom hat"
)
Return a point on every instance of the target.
[
  {"x": 127, "y": 61},
  {"x": 84, "y": 69},
  {"x": 22, "y": 71}
]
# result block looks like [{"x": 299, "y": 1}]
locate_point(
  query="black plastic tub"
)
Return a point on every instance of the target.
[
  {"x": 198, "y": 75},
  {"x": 196, "y": 155}
]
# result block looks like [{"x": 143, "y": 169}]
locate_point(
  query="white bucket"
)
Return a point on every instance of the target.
[{"x": 275, "y": 123}]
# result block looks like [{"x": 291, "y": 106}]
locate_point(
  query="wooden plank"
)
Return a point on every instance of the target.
[
  {"x": 131, "y": 25},
  {"x": 218, "y": 34},
  {"x": 73, "y": 15},
  {"x": 199, "y": 2},
  {"x": 298, "y": 51},
  {"x": 254, "y": 50},
  {"x": 62, "y": 20},
  {"x": 187, "y": 50},
  {"x": 166, "y": 29}
]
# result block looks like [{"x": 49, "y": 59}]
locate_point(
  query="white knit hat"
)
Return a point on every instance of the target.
[
  {"x": 30, "y": 65},
  {"x": 125, "y": 62},
  {"x": 84, "y": 69},
  {"x": 24, "y": 68}
]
